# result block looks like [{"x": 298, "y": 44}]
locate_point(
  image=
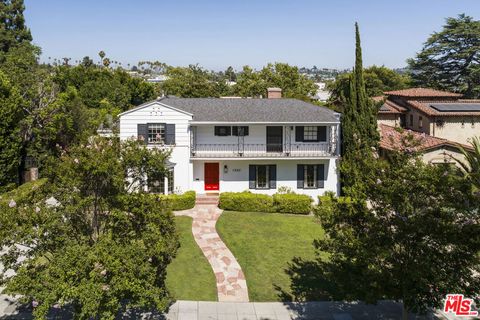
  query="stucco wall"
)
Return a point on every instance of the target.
[
  {"x": 416, "y": 121},
  {"x": 458, "y": 129},
  {"x": 443, "y": 155},
  {"x": 389, "y": 119}
]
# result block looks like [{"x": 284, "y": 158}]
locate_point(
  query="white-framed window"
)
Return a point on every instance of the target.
[
  {"x": 262, "y": 180},
  {"x": 156, "y": 133},
  {"x": 420, "y": 122},
  {"x": 310, "y": 133},
  {"x": 310, "y": 176},
  {"x": 156, "y": 182}
]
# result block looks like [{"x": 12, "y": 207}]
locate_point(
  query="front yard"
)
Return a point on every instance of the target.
[
  {"x": 264, "y": 244},
  {"x": 189, "y": 276}
]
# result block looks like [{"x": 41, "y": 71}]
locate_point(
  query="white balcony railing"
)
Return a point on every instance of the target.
[{"x": 320, "y": 149}]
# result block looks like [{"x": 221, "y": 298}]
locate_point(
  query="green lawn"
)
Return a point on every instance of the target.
[
  {"x": 189, "y": 276},
  {"x": 264, "y": 244}
]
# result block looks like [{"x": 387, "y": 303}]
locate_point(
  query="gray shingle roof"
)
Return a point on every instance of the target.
[{"x": 251, "y": 110}]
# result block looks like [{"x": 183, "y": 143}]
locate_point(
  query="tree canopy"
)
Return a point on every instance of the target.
[
  {"x": 13, "y": 30},
  {"x": 97, "y": 248},
  {"x": 377, "y": 81},
  {"x": 450, "y": 59}
]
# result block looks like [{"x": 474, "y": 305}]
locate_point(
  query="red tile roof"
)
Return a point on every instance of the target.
[
  {"x": 423, "y": 93},
  {"x": 424, "y": 107},
  {"x": 394, "y": 138},
  {"x": 392, "y": 107}
]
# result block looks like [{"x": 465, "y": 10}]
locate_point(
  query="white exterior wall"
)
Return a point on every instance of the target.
[
  {"x": 157, "y": 113},
  {"x": 189, "y": 174},
  {"x": 237, "y": 178}
]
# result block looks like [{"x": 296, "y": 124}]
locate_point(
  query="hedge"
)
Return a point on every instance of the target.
[
  {"x": 254, "y": 202},
  {"x": 292, "y": 203},
  {"x": 246, "y": 201},
  {"x": 180, "y": 201}
]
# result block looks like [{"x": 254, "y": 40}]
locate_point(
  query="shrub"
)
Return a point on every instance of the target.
[
  {"x": 246, "y": 201},
  {"x": 292, "y": 203},
  {"x": 182, "y": 201},
  {"x": 326, "y": 203}
]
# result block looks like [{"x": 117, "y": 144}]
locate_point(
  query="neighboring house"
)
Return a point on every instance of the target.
[
  {"x": 433, "y": 150},
  {"x": 233, "y": 144},
  {"x": 322, "y": 93},
  {"x": 437, "y": 113}
]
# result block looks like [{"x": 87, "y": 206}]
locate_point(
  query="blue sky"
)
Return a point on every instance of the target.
[{"x": 217, "y": 33}]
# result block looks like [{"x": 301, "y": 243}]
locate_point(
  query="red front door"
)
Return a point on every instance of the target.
[{"x": 211, "y": 176}]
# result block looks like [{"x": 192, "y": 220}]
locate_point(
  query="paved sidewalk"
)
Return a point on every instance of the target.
[
  {"x": 203, "y": 310},
  {"x": 231, "y": 283}
]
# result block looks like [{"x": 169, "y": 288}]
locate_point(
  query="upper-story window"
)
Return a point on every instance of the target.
[
  {"x": 240, "y": 131},
  {"x": 310, "y": 133},
  {"x": 156, "y": 133},
  {"x": 420, "y": 121},
  {"x": 411, "y": 120},
  {"x": 223, "y": 131}
]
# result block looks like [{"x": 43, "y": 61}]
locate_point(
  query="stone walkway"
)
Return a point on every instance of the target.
[{"x": 231, "y": 283}]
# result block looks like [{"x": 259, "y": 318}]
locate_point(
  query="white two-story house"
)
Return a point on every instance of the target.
[{"x": 238, "y": 144}]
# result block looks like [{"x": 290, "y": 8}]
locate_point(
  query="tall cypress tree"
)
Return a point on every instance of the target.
[{"x": 359, "y": 129}]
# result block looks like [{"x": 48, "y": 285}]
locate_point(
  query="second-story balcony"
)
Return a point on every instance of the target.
[{"x": 235, "y": 150}]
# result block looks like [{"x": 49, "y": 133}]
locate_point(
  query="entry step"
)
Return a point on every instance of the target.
[{"x": 207, "y": 199}]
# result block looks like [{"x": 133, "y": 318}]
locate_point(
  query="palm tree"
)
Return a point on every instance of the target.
[{"x": 471, "y": 165}]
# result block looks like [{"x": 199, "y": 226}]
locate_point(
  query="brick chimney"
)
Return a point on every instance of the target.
[{"x": 274, "y": 93}]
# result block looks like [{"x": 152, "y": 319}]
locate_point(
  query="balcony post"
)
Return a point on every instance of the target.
[
  {"x": 288, "y": 138},
  {"x": 193, "y": 140}
]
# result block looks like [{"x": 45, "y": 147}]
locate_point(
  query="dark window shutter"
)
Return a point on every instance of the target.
[
  {"x": 217, "y": 129},
  {"x": 300, "y": 176},
  {"x": 272, "y": 173},
  {"x": 142, "y": 132},
  {"x": 322, "y": 133},
  {"x": 251, "y": 176},
  {"x": 245, "y": 131},
  {"x": 234, "y": 131},
  {"x": 298, "y": 134},
  {"x": 170, "y": 133},
  {"x": 320, "y": 175}
]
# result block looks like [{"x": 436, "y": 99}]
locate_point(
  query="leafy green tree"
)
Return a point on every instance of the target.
[
  {"x": 250, "y": 83},
  {"x": 98, "y": 249},
  {"x": 450, "y": 59},
  {"x": 471, "y": 165},
  {"x": 13, "y": 30},
  {"x": 230, "y": 74},
  {"x": 377, "y": 81},
  {"x": 189, "y": 82},
  {"x": 281, "y": 75},
  {"x": 416, "y": 241},
  {"x": 10, "y": 141},
  {"x": 359, "y": 130}
]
